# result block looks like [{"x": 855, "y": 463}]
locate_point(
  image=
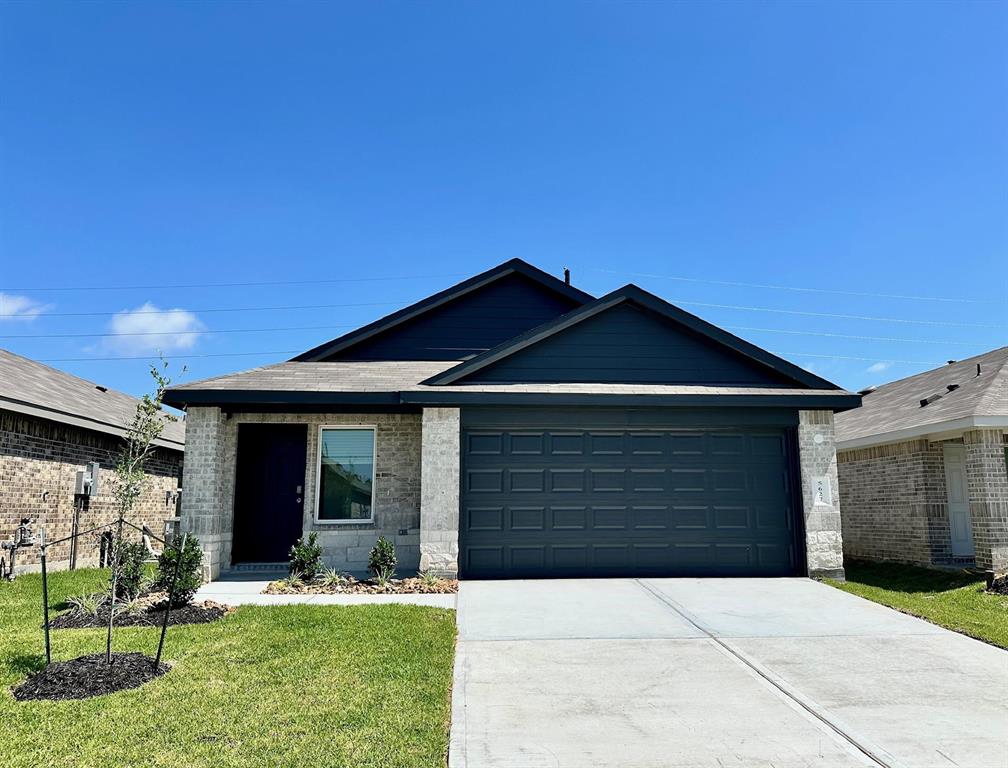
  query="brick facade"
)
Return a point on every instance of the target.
[
  {"x": 894, "y": 502},
  {"x": 417, "y": 487},
  {"x": 208, "y": 506},
  {"x": 39, "y": 460},
  {"x": 987, "y": 476},
  {"x": 896, "y": 506}
]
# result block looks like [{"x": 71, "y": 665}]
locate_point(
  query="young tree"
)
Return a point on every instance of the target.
[{"x": 148, "y": 423}]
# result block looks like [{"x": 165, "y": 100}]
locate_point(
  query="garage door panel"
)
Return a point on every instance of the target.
[{"x": 596, "y": 502}]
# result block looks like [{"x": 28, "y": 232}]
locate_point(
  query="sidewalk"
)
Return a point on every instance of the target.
[{"x": 245, "y": 588}]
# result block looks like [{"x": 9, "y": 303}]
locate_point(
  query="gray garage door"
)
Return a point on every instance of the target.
[{"x": 627, "y": 502}]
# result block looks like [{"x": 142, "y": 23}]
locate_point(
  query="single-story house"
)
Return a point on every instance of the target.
[
  {"x": 515, "y": 426},
  {"x": 923, "y": 476},
  {"x": 52, "y": 426}
]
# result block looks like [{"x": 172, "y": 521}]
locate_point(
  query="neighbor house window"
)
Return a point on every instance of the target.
[{"x": 346, "y": 474}]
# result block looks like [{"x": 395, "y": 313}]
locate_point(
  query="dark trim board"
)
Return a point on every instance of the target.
[
  {"x": 271, "y": 400},
  {"x": 626, "y": 418}
]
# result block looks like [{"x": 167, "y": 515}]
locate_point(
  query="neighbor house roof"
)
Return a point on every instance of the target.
[
  {"x": 893, "y": 412},
  {"x": 34, "y": 389},
  {"x": 395, "y": 382}
]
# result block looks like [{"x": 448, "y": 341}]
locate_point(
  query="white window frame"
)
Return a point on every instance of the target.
[{"x": 318, "y": 473}]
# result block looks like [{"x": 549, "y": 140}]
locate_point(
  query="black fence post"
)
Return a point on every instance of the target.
[
  {"x": 171, "y": 597},
  {"x": 45, "y": 599},
  {"x": 112, "y": 598}
]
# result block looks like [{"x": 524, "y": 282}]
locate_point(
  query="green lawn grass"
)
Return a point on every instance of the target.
[
  {"x": 953, "y": 599},
  {"x": 304, "y": 686}
]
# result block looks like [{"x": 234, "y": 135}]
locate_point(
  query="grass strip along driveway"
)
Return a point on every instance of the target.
[
  {"x": 264, "y": 686},
  {"x": 955, "y": 600}
]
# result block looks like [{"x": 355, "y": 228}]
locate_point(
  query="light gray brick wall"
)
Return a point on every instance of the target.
[
  {"x": 894, "y": 502},
  {"x": 439, "y": 500},
  {"x": 817, "y": 457},
  {"x": 208, "y": 502},
  {"x": 987, "y": 478}
]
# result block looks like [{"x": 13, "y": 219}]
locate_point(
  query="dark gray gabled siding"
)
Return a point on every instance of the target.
[
  {"x": 468, "y": 325},
  {"x": 627, "y": 344}
]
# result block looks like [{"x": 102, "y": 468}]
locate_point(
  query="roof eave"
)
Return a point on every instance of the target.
[
  {"x": 840, "y": 401},
  {"x": 944, "y": 430},
  {"x": 82, "y": 422}
]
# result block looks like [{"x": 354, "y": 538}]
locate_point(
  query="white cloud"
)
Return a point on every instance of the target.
[
  {"x": 150, "y": 329},
  {"x": 879, "y": 367},
  {"x": 19, "y": 307}
]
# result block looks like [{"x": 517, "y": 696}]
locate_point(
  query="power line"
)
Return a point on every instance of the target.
[
  {"x": 209, "y": 310},
  {"x": 801, "y": 289},
  {"x": 836, "y": 315},
  {"x": 296, "y": 351},
  {"x": 249, "y": 284},
  {"x": 865, "y": 359},
  {"x": 803, "y": 313},
  {"x": 851, "y": 336},
  {"x": 165, "y": 357},
  {"x": 174, "y": 332},
  {"x": 339, "y": 327}
]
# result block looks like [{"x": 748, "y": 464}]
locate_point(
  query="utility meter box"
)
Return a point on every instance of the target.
[{"x": 87, "y": 480}]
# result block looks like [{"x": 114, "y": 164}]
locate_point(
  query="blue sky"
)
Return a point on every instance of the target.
[{"x": 377, "y": 152}]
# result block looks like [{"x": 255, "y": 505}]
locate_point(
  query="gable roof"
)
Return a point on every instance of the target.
[
  {"x": 34, "y": 389},
  {"x": 633, "y": 295},
  {"x": 893, "y": 412},
  {"x": 440, "y": 299}
]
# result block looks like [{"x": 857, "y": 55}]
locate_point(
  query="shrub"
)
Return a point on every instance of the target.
[
  {"x": 129, "y": 571},
  {"x": 190, "y": 574},
  {"x": 382, "y": 560},
  {"x": 306, "y": 557}
]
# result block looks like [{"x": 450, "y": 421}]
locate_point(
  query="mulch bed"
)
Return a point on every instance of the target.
[
  {"x": 351, "y": 586},
  {"x": 999, "y": 586},
  {"x": 88, "y": 676},
  {"x": 152, "y": 616}
]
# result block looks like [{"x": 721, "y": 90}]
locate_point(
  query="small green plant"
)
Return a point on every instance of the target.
[
  {"x": 131, "y": 607},
  {"x": 128, "y": 570},
  {"x": 332, "y": 578},
  {"x": 294, "y": 581},
  {"x": 306, "y": 557},
  {"x": 190, "y": 570},
  {"x": 87, "y": 604},
  {"x": 429, "y": 578},
  {"x": 382, "y": 560}
]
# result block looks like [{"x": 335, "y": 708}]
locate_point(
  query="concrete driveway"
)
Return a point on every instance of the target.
[{"x": 715, "y": 672}]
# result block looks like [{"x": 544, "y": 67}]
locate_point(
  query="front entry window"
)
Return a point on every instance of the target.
[{"x": 346, "y": 475}]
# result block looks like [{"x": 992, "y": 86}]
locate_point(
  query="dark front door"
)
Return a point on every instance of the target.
[
  {"x": 575, "y": 501},
  {"x": 269, "y": 491}
]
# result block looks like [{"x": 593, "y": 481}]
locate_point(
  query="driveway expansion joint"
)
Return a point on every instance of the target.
[{"x": 874, "y": 753}]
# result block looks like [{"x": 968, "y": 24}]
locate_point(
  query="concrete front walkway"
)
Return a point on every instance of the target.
[
  {"x": 245, "y": 588},
  {"x": 716, "y": 672}
]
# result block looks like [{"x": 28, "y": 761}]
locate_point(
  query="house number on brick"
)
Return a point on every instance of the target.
[{"x": 821, "y": 491}]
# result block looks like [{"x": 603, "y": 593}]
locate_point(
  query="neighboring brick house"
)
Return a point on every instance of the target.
[
  {"x": 51, "y": 425},
  {"x": 513, "y": 426},
  {"x": 922, "y": 465}
]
